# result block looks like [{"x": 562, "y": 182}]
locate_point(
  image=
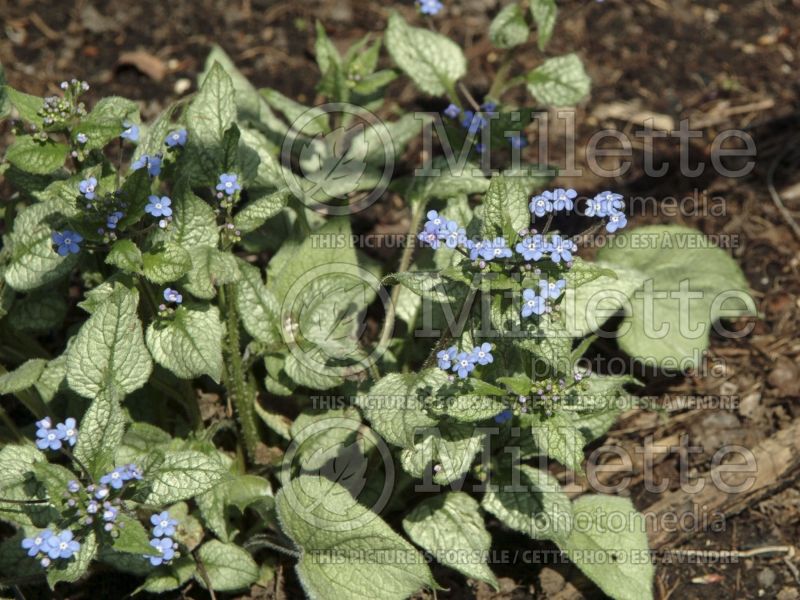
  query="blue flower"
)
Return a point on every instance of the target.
[
  {"x": 88, "y": 187},
  {"x": 152, "y": 163},
  {"x": 61, "y": 545},
  {"x": 540, "y": 205},
  {"x": 68, "y": 431},
  {"x": 115, "y": 478},
  {"x": 503, "y": 416},
  {"x": 611, "y": 200},
  {"x": 131, "y": 132},
  {"x": 430, "y": 7},
  {"x": 562, "y": 249},
  {"x": 132, "y": 472},
  {"x": 472, "y": 122},
  {"x": 604, "y": 204},
  {"x": 445, "y": 358},
  {"x": 36, "y": 544},
  {"x": 532, "y": 247},
  {"x": 102, "y": 492},
  {"x": 49, "y": 439},
  {"x": 163, "y": 525},
  {"x": 429, "y": 235},
  {"x": 532, "y": 304},
  {"x": 562, "y": 199},
  {"x": 92, "y": 507},
  {"x": 228, "y": 183},
  {"x": 165, "y": 548},
  {"x": 489, "y": 107},
  {"x": 616, "y": 221},
  {"x": 551, "y": 289},
  {"x": 45, "y": 423},
  {"x": 464, "y": 364},
  {"x": 453, "y": 235},
  {"x": 452, "y": 111},
  {"x": 475, "y": 248},
  {"x": 483, "y": 354},
  {"x": 67, "y": 242},
  {"x": 496, "y": 249},
  {"x": 73, "y": 487},
  {"x": 113, "y": 219},
  {"x": 435, "y": 220},
  {"x": 171, "y": 295},
  {"x": 82, "y": 138},
  {"x": 158, "y": 207},
  {"x": 176, "y": 138}
]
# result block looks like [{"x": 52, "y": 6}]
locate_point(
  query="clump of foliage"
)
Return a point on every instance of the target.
[{"x": 178, "y": 294}]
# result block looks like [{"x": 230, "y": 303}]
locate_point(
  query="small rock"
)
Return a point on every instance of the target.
[
  {"x": 766, "y": 578},
  {"x": 551, "y": 581},
  {"x": 785, "y": 377},
  {"x": 788, "y": 593},
  {"x": 750, "y": 405},
  {"x": 182, "y": 85}
]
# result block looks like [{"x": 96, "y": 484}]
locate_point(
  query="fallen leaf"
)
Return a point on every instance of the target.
[{"x": 150, "y": 65}]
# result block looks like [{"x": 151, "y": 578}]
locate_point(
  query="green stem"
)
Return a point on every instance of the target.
[
  {"x": 417, "y": 212},
  {"x": 241, "y": 394},
  {"x": 497, "y": 88}
]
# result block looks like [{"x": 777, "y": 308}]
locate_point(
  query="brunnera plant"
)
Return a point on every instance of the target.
[{"x": 183, "y": 316}]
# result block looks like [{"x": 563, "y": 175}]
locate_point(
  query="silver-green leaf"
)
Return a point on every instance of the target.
[
  {"x": 189, "y": 343},
  {"x": 433, "y": 61},
  {"x": 108, "y": 353},
  {"x": 559, "y": 81},
  {"x": 450, "y": 525}
]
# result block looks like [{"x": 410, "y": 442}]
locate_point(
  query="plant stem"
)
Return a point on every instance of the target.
[
  {"x": 469, "y": 97},
  {"x": 497, "y": 89},
  {"x": 240, "y": 393},
  {"x": 417, "y": 213}
]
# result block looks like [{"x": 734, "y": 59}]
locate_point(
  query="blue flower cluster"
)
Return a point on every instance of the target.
[
  {"x": 49, "y": 545},
  {"x": 430, "y": 7},
  {"x": 463, "y": 363},
  {"x": 54, "y": 438},
  {"x": 163, "y": 529},
  {"x": 58, "y": 111},
  {"x": 608, "y": 205},
  {"x": 603, "y": 205},
  {"x": 101, "y": 500},
  {"x": 536, "y": 304},
  {"x": 474, "y": 122},
  {"x": 438, "y": 229}
]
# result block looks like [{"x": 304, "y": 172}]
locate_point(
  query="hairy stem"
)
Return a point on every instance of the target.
[{"x": 240, "y": 394}]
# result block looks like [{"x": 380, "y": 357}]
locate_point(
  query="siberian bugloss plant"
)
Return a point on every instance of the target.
[{"x": 208, "y": 372}]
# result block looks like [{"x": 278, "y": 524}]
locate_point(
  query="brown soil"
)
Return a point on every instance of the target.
[{"x": 720, "y": 64}]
